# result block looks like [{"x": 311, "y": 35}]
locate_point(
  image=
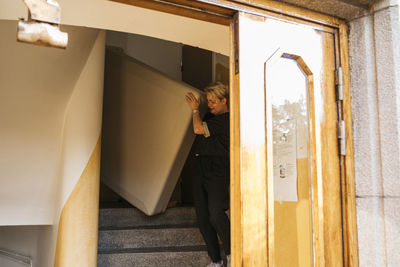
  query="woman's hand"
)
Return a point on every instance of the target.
[{"x": 193, "y": 102}]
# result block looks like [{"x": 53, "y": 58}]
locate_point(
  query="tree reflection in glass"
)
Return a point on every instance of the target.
[{"x": 288, "y": 87}]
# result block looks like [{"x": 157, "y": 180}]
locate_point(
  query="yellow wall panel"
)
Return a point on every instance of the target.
[{"x": 77, "y": 232}]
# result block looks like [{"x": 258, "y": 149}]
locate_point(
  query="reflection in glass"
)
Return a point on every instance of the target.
[{"x": 287, "y": 85}]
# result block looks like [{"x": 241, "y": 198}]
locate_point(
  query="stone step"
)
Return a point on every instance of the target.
[
  {"x": 156, "y": 259},
  {"x": 149, "y": 238},
  {"x": 133, "y": 218}
]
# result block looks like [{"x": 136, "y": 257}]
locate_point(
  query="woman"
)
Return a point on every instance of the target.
[{"x": 211, "y": 170}]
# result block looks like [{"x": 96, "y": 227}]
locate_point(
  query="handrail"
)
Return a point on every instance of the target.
[{"x": 16, "y": 257}]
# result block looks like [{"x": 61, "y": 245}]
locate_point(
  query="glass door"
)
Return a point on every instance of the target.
[{"x": 288, "y": 135}]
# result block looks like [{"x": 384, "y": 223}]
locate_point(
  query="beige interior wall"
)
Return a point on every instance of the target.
[
  {"x": 36, "y": 85},
  {"x": 162, "y": 55},
  {"x": 28, "y": 240},
  {"x": 110, "y": 15},
  {"x": 23, "y": 240},
  {"x": 46, "y": 247},
  {"x": 83, "y": 118},
  {"x": 117, "y": 39},
  {"x": 50, "y": 122},
  {"x": 76, "y": 213},
  {"x": 80, "y": 166}
]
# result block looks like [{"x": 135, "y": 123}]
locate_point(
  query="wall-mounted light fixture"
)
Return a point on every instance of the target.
[{"x": 42, "y": 26}]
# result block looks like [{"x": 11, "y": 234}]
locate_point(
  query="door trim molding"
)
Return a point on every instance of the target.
[
  {"x": 191, "y": 9},
  {"x": 222, "y": 11},
  {"x": 350, "y": 238},
  {"x": 276, "y": 9}
]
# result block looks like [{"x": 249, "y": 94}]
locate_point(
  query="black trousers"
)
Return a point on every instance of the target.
[{"x": 211, "y": 200}]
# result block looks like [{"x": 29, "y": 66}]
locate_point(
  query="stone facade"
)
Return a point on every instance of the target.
[{"x": 375, "y": 91}]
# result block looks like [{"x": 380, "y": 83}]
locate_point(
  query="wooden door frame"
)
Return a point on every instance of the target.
[{"x": 223, "y": 12}]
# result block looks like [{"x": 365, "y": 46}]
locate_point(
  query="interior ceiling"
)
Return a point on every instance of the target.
[{"x": 345, "y": 9}]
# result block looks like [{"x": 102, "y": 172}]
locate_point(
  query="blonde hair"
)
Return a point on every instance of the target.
[{"x": 218, "y": 90}]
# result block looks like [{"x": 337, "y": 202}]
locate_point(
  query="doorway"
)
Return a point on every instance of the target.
[
  {"x": 137, "y": 94},
  {"x": 166, "y": 60},
  {"x": 264, "y": 40}
]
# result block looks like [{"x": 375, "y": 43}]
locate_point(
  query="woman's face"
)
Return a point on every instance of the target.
[{"x": 216, "y": 105}]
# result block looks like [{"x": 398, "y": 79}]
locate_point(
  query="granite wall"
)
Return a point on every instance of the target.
[{"x": 375, "y": 91}]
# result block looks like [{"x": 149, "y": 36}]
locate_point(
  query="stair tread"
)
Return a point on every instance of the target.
[
  {"x": 159, "y": 259},
  {"x": 154, "y": 249},
  {"x": 114, "y": 204},
  {"x": 132, "y": 217},
  {"x": 147, "y": 238},
  {"x": 128, "y": 237},
  {"x": 159, "y": 226}
]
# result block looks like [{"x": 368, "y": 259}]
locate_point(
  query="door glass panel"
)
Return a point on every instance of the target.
[
  {"x": 287, "y": 82},
  {"x": 286, "y": 94}
]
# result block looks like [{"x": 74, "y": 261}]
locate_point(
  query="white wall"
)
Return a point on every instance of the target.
[
  {"x": 104, "y": 14},
  {"x": 83, "y": 119},
  {"x": 33, "y": 241},
  {"x": 24, "y": 240},
  {"x": 36, "y": 85},
  {"x": 117, "y": 39},
  {"x": 50, "y": 121},
  {"x": 162, "y": 55},
  {"x": 81, "y": 133}
]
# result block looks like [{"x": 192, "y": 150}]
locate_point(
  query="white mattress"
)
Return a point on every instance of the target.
[{"x": 147, "y": 132}]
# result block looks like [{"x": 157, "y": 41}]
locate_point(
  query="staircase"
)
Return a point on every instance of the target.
[{"x": 128, "y": 237}]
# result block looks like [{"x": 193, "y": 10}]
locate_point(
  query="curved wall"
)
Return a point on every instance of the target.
[
  {"x": 80, "y": 166},
  {"x": 50, "y": 124},
  {"x": 36, "y": 85}
]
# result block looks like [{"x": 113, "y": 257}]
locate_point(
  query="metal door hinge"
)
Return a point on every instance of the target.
[
  {"x": 339, "y": 83},
  {"x": 342, "y": 137}
]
